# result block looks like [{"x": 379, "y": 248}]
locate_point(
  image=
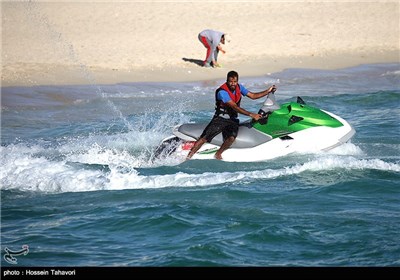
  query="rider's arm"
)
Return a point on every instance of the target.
[{"x": 256, "y": 95}]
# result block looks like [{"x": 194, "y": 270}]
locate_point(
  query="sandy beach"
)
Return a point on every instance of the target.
[{"x": 97, "y": 42}]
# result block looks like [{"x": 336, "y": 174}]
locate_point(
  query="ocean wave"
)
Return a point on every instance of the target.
[{"x": 26, "y": 171}]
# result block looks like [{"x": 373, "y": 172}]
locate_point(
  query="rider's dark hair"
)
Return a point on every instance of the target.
[{"x": 232, "y": 74}]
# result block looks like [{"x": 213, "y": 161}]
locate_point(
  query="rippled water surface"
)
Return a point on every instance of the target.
[{"x": 78, "y": 186}]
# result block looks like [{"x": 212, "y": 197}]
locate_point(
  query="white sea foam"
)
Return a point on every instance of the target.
[{"x": 21, "y": 169}]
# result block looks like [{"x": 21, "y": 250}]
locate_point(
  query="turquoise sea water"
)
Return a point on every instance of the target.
[{"x": 78, "y": 186}]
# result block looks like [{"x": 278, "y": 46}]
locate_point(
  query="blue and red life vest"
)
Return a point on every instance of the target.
[{"x": 221, "y": 108}]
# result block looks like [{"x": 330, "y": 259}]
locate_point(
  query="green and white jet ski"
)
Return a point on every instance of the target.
[{"x": 292, "y": 127}]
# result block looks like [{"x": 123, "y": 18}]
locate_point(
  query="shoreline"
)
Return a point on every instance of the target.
[
  {"x": 41, "y": 74},
  {"x": 82, "y": 42}
]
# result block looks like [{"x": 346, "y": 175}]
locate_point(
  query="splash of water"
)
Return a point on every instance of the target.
[
  {"x": 111, "y": 169},
  {"x": 57, "y": 37}
]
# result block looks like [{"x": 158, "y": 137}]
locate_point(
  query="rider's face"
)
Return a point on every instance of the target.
[{"x": 232, "y": 82}]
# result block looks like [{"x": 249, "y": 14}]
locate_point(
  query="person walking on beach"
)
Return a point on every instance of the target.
[
  {"x": 211, "y": 39},
  {"x": 225, "y": 119}
]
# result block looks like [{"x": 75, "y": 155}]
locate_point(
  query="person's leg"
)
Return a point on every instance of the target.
[
  {"x": 207, "y": 45},
  {"x": 227, "y": 143},
  {"x": 229, "y": 134},
  {"x": 214, "y": 127},
  {"x": 196, "y": 147}
]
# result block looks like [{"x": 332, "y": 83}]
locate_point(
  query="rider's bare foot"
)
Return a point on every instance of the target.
[{"x": 218, "y": 156}]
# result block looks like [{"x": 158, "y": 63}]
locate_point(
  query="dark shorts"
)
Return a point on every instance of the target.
[{"x": 217, "y": 125}]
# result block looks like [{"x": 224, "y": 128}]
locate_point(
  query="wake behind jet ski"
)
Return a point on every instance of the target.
[{"x": 293, "y": 127}]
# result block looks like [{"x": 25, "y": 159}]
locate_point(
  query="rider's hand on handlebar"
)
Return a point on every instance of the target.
[
  {"x": 272, "y": 88},
  {"x": 255, "y": 117}
]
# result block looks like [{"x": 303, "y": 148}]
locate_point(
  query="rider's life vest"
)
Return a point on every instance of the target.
[{"x": 221, "y": 108}]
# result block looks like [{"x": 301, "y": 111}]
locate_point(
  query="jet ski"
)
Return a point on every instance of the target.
[{"x": 293, "y": 127}]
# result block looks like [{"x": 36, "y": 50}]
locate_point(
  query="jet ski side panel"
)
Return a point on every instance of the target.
[{"x": 293, "y": 117}]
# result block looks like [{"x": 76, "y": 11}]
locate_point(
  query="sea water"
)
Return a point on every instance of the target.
[{"x": 78, "y": 185}]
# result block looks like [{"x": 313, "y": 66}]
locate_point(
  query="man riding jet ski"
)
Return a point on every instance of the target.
[
  {"x": 274, "y": 131},
  {"x": 227, "y": 107}
]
